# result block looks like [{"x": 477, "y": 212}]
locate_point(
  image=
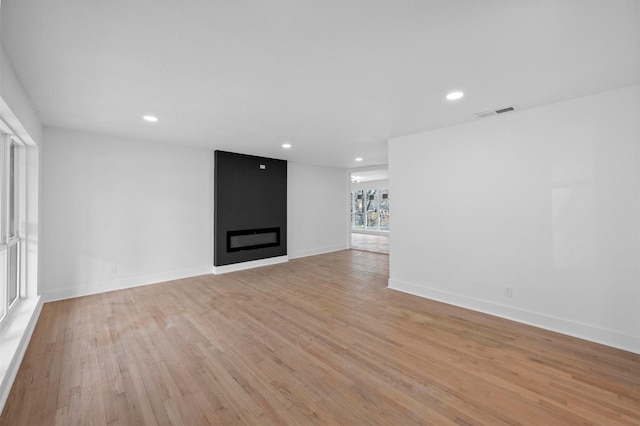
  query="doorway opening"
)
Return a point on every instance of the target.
[{"x": 370, "y": 210}]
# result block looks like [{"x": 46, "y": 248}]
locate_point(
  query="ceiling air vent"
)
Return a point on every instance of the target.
[{"x": 495, "y": 112}]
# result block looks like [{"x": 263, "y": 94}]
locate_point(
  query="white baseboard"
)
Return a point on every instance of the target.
[
  {"x": 589, "y": 332},
  {"x": 123, "y": 283},
  {"x": 250, "y": 264},
  {"x": 367, "y": 232},
  {"x": 316, "y": 251},
  {"x": 14, "y": 339}
]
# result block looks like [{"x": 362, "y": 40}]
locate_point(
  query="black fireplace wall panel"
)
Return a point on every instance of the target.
[{"x": 250, "y": 208}]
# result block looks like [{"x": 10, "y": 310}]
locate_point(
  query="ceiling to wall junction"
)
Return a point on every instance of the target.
[{"x": 334, "y": 79}]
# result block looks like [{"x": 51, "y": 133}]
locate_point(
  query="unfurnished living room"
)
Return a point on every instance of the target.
[{"x": 182, "y": 216}]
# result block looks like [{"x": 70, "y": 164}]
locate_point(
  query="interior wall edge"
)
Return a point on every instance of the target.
[{"x": 565, "y": 326}]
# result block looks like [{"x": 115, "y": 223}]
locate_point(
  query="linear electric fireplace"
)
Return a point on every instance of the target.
[
  {"x": 250, "y": 208},
  {"x": 253, "y": 239}
]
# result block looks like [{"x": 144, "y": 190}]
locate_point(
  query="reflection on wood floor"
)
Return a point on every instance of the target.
[{"x": 374, "y": 243}]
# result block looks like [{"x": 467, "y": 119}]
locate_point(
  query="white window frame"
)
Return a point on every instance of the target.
[{"x": 11, "y": 237}]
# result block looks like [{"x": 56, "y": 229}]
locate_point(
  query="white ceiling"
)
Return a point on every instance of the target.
[
  {"x": 336, "y": 79},
  {"x": 369, "y": 175}
]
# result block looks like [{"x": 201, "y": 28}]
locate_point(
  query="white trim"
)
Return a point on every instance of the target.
[
  {"x": 15, "y": 335},
  {"x": 316, "y": 251},
  {"x": 589, "y": 332},
  {"x": 4, "y": 127},
  {"x": 124, "y": 283},
  {"x": 367, "y": 232},
  {"x": 248, "y": 265}
]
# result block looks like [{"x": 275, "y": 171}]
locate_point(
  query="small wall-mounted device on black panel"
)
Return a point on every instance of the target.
[{"x": 250, "y": 208}]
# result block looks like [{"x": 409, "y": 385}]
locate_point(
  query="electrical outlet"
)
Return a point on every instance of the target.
[
  {"x": 508, "y": 291},
  {"x": 114, "y": 269}
]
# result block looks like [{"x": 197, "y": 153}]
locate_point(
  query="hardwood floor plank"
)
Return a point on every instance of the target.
[{"x": 317, "y": 340}]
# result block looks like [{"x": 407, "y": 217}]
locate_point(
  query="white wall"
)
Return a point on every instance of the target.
[
  {"x": 143, "y": 208},
  {"x": 545, "y": 201},
  {"x": 15, "y": 107},
  {"x": 317, "y": 213}
]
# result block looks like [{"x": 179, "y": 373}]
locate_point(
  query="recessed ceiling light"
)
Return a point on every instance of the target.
[
  {"x": 286, "y": 145},
  {"x": 455, "y": 95},
  {"x": 359, "y": 159},
  {"x": 150, "y": 118}
]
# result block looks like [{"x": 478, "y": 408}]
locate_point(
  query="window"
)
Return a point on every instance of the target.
[
  {"x": 357, "y": 219},
  {"x": 370, "y": 209},
  {"x": 10, "y": 202},
  {"x": 384, "y": 210}
]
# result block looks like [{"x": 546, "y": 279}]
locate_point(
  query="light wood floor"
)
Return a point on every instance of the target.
[
  {"x": 368, "y": 242},
  {"x": 318, "y": 340}
]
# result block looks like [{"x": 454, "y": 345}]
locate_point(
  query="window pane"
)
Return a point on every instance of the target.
[
  {"x": 384, "y": 209},
  {"x": 372, "y": 209},
  {"x": 13, "y": 272},
  {"x": 358, "y": 205},
  {"x": 12, "y": 190},
  {"x": 351, "y": 207},
  {"x": 4, "y": 174}
]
